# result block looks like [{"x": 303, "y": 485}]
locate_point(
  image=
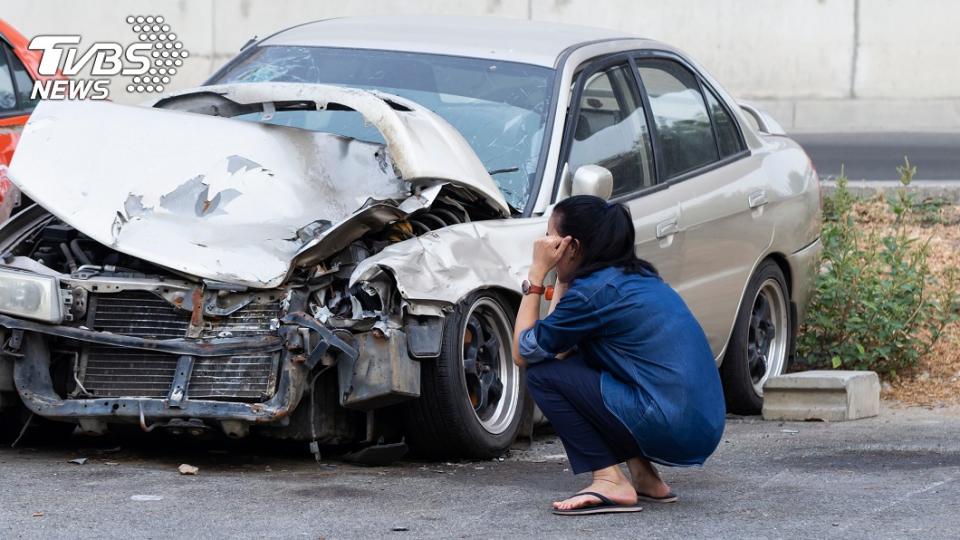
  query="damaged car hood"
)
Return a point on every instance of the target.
[{"x": 232, "y": 200}]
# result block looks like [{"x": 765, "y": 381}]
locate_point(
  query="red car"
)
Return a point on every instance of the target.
[{"x": 18, "y": 71}]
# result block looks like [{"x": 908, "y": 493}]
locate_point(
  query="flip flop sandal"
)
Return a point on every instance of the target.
[
  {"x": 605, "y": 506},
  {"x": 668, "y": 498}
]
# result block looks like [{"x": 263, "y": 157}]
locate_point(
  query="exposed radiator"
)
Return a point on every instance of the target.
[
  {"x": 234, "y": 377},
  {"x": 145, "y": 315},
  {"x": 107, "y": 371},
  {"x": 114, "y": 372}
]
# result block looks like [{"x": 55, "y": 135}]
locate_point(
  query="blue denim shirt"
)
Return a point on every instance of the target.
[{"x": 658, "y": 374}]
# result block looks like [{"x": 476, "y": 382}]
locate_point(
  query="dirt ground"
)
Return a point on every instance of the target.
[{"x": 936, "y": 381}]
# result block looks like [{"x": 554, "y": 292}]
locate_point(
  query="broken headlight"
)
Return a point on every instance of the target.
[{"x": 30, "y": 296}]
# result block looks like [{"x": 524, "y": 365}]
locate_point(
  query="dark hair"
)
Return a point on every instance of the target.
[{"x": 605, "y": 234}]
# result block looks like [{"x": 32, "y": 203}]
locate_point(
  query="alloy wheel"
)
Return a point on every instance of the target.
[
  {"x": 491, "y": 378},
  {"x": 768, "y": 334}
]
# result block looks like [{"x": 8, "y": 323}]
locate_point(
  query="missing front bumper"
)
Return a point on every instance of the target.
[
  {"x": 35, "y": 386},
  {"x": 380, "y": 373}
]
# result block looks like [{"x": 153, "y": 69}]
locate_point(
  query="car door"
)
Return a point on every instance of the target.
[
  {"x": 718, "y": 186},
  {"x": 610, "y": 128}
]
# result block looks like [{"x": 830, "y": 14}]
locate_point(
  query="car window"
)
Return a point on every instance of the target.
[
  {"x": 24, "y": 81},
  {"x": 683, "y": 125},
  {"x": 8, "y": 97},
  {"x": 611, "y": 131},
  {"x": 728, "y": 135}
]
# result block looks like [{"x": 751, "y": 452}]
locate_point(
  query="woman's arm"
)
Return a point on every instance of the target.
[
  {"x": 546, "y": 252},
  {"x": 528, "y": 314},
  {"x": 559, "y": 290}
]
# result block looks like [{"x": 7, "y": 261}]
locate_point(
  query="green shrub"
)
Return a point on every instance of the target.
[{"x": 877, "y": 304}]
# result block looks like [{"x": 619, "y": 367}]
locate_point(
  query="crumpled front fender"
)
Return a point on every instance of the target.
[{"x": 448, "y": 264}]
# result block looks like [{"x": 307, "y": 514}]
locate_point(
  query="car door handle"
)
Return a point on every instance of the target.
[
  {"x": 667, "y": 228},
  {"x": 757, "y": 199}
]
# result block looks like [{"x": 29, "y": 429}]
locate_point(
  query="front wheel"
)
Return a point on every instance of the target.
[
  {"x": 760, "y": 344},
  {"x": 472, "y": 397}
]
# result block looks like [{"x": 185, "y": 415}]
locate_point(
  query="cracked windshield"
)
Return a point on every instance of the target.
[{"x": 499, "y": 107}]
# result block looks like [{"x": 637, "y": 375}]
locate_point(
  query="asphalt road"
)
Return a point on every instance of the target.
[
  {"x": 895, "y": 476},
  {"x": 875, "y": 156}
]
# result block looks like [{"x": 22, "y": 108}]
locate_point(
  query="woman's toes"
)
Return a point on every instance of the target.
[{"x": 575, "y": 501}]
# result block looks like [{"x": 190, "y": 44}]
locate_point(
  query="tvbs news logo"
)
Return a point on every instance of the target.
[{"x": 149, "y": 63}]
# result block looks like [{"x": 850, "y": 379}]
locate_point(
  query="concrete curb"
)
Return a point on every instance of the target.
[
  {"x": 830, "y": 396},
  {"x": 948, "y": 190}
]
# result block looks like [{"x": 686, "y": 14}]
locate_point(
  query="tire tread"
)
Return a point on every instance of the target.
[
  {"x": 738, "y": 389},
  {"x": 433, "y": 423}
]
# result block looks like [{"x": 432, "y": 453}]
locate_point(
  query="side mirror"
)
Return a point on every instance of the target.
[{"x": 592, "y": 180}]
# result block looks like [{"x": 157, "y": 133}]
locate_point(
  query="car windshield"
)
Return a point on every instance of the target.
[{"x": 500, "y": 108}]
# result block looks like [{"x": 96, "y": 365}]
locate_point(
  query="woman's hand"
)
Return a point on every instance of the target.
[{"x": 547, "y": 251}]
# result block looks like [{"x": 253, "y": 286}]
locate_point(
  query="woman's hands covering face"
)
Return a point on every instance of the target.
[{"x": 548, "y": 250}]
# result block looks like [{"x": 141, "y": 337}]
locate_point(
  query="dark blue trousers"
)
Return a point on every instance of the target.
[{"x": 568, "y": 393}]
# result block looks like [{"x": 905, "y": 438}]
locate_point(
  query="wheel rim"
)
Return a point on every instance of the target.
[
  {"x": 489, "y": 374},
  {"x": 767, "y": 335}
]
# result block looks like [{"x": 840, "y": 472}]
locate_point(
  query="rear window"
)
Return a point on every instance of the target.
[{"x": 728, "y": 135}]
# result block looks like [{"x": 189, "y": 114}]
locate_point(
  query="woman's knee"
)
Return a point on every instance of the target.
[
  {"x": 542, "y": 373},
  {"x": 537, "y": 374}
]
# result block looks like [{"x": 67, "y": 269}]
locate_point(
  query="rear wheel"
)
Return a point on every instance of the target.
[
  {"x": 760, "y": 344},
  {"x": 472, "y": 397}
]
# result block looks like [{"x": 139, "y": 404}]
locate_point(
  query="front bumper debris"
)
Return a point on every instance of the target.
[{"x": 299, "y": 346}]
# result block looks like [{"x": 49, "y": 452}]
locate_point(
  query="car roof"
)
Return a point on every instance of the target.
[{"x": 516, "y": 40}]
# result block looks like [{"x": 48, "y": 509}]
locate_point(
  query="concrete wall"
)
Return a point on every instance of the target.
[{"x": 816, "y": 65}]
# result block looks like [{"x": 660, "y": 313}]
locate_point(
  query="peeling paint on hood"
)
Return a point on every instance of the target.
[{"x": 226, "y": 199}]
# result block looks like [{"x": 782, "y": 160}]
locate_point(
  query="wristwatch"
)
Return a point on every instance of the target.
[{"x": 529, "y": 288}]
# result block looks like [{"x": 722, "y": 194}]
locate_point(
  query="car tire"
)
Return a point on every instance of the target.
[
  {"x": 460, "y": 412},
  {"x": 759, "y": 347}
]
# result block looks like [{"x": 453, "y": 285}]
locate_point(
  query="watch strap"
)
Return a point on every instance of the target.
[{"x": 536, "y": 289}]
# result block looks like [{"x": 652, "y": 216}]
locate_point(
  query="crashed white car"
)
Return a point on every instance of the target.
[{"x": 326, "y": 242}]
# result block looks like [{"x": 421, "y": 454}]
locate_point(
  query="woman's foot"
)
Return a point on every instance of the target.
[
  {"x": 646, "y": 480},
  {"x": 609, "y": 482}
]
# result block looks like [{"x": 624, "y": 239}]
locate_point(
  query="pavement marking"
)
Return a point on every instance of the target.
[
  {"x": 897, "y": 501},
  {"x": 764, "y": 484}
]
